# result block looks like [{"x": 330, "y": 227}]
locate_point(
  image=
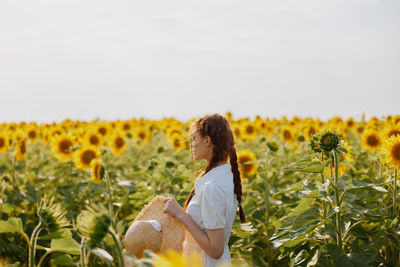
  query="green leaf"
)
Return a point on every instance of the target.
[
  {"x": 308, "y": 166},
  {"x": 343, "y": 261},
  {"x": 69, "y": 246},
  {"x": 365, "y": 259},
  {"x": 333, "y": 250},
  {"x": 61, "y": 233},
  {"x": 127, "y": 184},
  {"x": 13, "y": 225},
  {"x": 3, "y": 168},
  {"x": 360, "y": 185},
  {"x": 8, "y": 208},
  {"x": 64, "y": 260},
  {"x": 300, "y": 208},
  {"x": 101, "y": 253},
  {"x": 307, "y": 217},
  {"x": 300, "y": 258}
]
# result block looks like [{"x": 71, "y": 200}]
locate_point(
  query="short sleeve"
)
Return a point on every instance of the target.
[{"x": 213, "y": 206}]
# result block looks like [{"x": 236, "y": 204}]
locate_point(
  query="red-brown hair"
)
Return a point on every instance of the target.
[{"x": 218, "y": 129}]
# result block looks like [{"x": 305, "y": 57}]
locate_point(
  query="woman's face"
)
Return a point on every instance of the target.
[{"x": 201, "y": 147}]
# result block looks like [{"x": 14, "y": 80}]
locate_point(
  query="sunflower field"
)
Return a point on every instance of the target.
[{"x": 316, "y": 193}]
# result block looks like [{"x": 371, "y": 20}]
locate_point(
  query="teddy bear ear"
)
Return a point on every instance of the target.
[{"x": 142, "y": 235}]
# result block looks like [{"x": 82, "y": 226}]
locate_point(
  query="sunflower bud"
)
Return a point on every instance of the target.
[
  {"x": 328, "y": 141},
  {"x": 273, "y": 146},
  {"x": 93, "y": 223},
  {"x": 314, "y": 143},
  {"x": 51, "y": 215}
]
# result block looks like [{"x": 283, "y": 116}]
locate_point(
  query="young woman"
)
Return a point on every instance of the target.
[{"x": 211, "y": 206}]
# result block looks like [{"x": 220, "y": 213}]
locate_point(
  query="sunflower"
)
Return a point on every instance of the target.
[
  {"x": 84, "y": 156},
  {"x": 392, "y": 130},
  {"x": 309, "y": 131},
  {"x": 62, "y": 148},
  {"x": 396, "y": 119},
  {"x": 371, "y": 140},
  {"x": 103, "y": 129},
  {"x": 4, "y": 142},
  {"x": 92, "y": 138},
  {"x": 118, "y": 144},
  {"x": 32, "y": 133},
  {"x": 237, "y": 132},
  {"x": 328, "y": 141},
  {"x": 20, "y": 150},
  {"x": 126, "y": 126},
  {"x": 96, "y": 171},
  {"x": 249, "y": 131},
  {"x": 141, "y": 134},
  {"x": 314, "y": 143},
  {"x": 350, "y": 124},
  {"x": 391, "y": 150},
  {"x": 173, "y": 258},
  {"x": 51, "y": 214},
  {"x": 246, "y": 160},
  {"x": 173, "y": 130},
  {"x": 178, "y": 141},
  {"x": 287, "y": 134}
]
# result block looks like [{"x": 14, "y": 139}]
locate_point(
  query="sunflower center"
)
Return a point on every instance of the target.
[
  {"x": 142, "y": 135},
  {"x": 393, "y": 133},
  {"x": 102, "y": 130},
  {"x": 311, "y": 131},
  {"x": 119, "y": 142},
  {"x": 126, "y": 127},
  {"x": 249, "y": 129},
  {"x": 237, "y": 132},
  {"x": 22, "y": 147},
  {"x": 287, "y": 134},
  {"x": 372, "y": 140},
  {"x": 396, "y": 152},
  {"x": 65, "y": 145},
  {"x": 87, "y": 156},
  {"x": 327, "y": 139},
  {"x": 360, "y": 129},
  {"x": 94, "y": 140},
  {"x": 32, "y": 134},
  {"x": 2, "y": 142},
  {"x": 176, "y": 142}
]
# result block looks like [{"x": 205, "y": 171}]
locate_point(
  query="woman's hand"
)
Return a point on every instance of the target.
[{"x": 173, "y": 208}]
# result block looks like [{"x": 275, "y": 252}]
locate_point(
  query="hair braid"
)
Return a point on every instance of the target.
[{"x": 237, "y": 182}]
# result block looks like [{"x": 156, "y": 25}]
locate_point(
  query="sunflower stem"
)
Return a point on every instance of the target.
[
  {"x": 82, "y": 253},
  {"x": 32, "y": 247},
  {"x": 119, "y": 247},
  {"x": 110, "y": 206},
  {"x": 337, "y": 203},
  {"x": 13, "y": 185},
  {"x": 43, "y": 257},
  {"x": 323, "y": 182},
  {"x": 395, "y": 192}
]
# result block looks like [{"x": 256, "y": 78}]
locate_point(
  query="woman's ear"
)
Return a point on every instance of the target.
[{"x": 208, "y": 140}]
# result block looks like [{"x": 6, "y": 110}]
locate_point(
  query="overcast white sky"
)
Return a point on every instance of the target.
[{"x": 87, "y": 59}]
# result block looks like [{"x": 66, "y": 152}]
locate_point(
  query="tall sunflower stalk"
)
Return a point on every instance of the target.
[
  {"x": 267, "y": 203},
  {"x": 328, "y": 143}
]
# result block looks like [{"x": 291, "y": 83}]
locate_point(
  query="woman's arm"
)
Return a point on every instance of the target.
[{"x": 211, "y": 240}]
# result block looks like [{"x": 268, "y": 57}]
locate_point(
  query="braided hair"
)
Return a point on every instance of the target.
[{"x": 218, "y": 129}]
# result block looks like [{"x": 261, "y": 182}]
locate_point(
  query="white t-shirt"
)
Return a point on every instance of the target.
[{"x": 213, "y": 206}]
